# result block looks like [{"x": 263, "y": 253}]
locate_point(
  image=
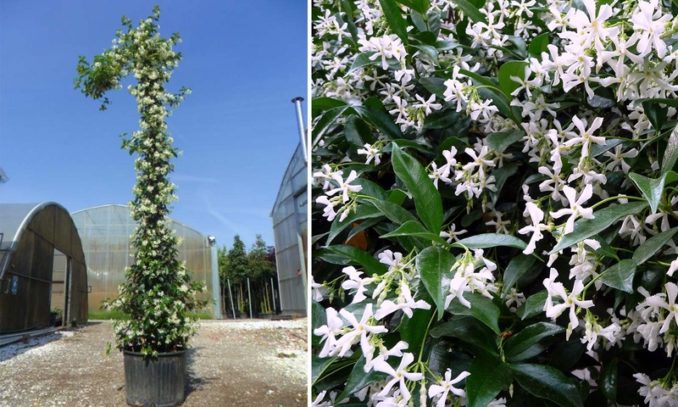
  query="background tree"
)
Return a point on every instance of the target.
[
  {"x": 258, "y": 259},
  {"x": 238, "y": 267}
]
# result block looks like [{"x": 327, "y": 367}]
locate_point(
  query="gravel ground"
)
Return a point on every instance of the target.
[{"x": 233, "y": 363}]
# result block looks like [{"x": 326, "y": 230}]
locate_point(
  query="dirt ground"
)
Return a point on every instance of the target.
[{"x": 243, "y": 363}]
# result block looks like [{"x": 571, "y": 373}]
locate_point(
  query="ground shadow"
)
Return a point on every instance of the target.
[
  {"x": 195, "y": 382},
  {"x": 17, "y": 348}
]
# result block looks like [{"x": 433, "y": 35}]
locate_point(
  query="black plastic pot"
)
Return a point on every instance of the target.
[{"x": 159, "y": 382}]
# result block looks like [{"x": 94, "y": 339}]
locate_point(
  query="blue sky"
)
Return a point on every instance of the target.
[{"x": 243, "y": 60}]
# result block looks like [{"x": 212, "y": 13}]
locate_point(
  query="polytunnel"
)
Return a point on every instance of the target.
[
  {"x": 42, "y": 267},
  {"x": 290, "y": 232},
  {"x": 105, "y": 231}
]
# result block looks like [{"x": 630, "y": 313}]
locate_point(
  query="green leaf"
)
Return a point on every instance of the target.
[
  {"x": 419, "y": 5},
  {"x": 585, "y": 228},
  {"x": 319, "y": 105},
  {"x": 670, "y": 153},
  {"x": 434, "y": 264},
  {"x": 358, "y": 379},
  {"x": 360, "y": 213},
  {"x": 608, "y": 379},
  {"x": 506, "y": 71},
  {"x": 646, "y": 250},
  {"x": 470, "y": 11},
  {"x": 326, "y": 120},
  {"x": 489, "y": 376},
  {"x": 413, "y": 330},
  {"x": 547, "y": 383},
  {"x": 620, "y": 276},
  {"x": 319, "y": 366},
  {"x": 522, "y": 345},
  {"x": 655, "y": 113},
  {"x": 468, "y": 330},
  {"x": 394, "y": 18},
  {"x": 394, "y": 213},
  {"x": 363, "y": 59},
  {"x": 427, "y": 200},
  {"x": 500, "y": 100},
  {"x": 538, "y": 45},
  {"x": 485, "y": 240},
  {"x": 482, "y": 309},
  {"x": 516, "y": 268},
  {"x": 345, "y": 255},
  {"x": 534, "y": 305},
  {"x": 413, "y": 228},
  {"x": 373, "y": 111},
  {"x": 650, "y": 188},
  {"x": 500, "y": 141}
]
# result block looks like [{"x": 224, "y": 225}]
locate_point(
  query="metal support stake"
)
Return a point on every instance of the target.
[
  {"x": 273, "y": 297},
  {"x": 249, "y": 296},
  {"x": 230, "y": 296},
  {"x": 300, "y": 122}
]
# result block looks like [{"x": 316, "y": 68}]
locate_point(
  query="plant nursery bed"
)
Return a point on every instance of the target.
[{"x": 234, "y": 363}]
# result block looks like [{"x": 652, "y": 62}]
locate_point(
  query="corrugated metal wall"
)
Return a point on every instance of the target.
[{"x": 290, "y": 230}]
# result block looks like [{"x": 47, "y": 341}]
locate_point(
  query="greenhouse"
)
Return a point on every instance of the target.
[
  {"x": 105, "y": 232},
  {"x": 42, "y": 268},
  {"x": 290, "y": 231}
]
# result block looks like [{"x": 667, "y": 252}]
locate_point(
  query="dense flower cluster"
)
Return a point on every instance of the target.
[
  {"x": 158, "y": 294},
  {"x": 445, "y": 133}
]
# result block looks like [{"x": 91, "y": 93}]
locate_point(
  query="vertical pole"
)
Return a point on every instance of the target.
[
  {"x": 249, "y": 296},
  {"x": 230, "y": 296},
  {"x": 216, "y": 292},
  {"x": 300, "y": 122},
  {"x": 273, "y": 296}
]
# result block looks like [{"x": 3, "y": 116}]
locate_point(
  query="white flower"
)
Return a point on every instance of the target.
[
  {"x": 370, "y": 154},
  {"x": 647, "y": 30},
  {"x": 440, "y": 391},
  {"x": 344, "y": 186},
  {"x": 399, "y": 375},
  {"x": 359, "y": 332},
  {"x": 570, "y": 301},
  {"x": 405, "y": 303},
  {"x": 536, "y": 216},
  {"x": 329, "y": 331},
  {"x": 355, "y": 282},
  {"x": 586, "y": 137},
  {"x": 576, "y": 210}
]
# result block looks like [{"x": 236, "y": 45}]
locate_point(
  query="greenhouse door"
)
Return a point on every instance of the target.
[{"x": 61, "y": 284}]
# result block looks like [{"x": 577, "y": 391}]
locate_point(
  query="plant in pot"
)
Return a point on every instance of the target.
[{"x": 157, "y": 295}]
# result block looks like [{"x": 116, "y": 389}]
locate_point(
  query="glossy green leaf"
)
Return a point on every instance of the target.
[
  {"x": 655, "y": 113},
  {"x": 485, "y": 240},
  {"x": 547, "y": 383},
  {"x": 433, "y": 265},
  {"x": 538, "y": 45},
  {"x": 469, "y": 330},
  {"x": 500, "y": 141},
  {"x": 413, "y": 228},
  {"x": 319, "y": 105},
  {"x": 360, "y": 213},
  {"x": 358, "y": 379},
  {"x": 482, "y": 309},
  {"x": 506, "y": 71},
  {"x": 374, "y": 112},
  {"x": 646, "y": 250},
  {"x": 603, "y": 218},
  {"x": 489, "y": 376},
  {"x": 413, "y": 330},
  {"x": 319, "y": 366},
  {"x": 470, "y": 11},
  {"x": 534, "y": 305},
  {"x": 620, "y": 276},
  {"x": 363, "y": 59},
  {"x": 650, "y": 188},
  {"x": 670, "y": 153},
  {"x": 394, "y": 18},
  {"x": 522, "y": 346},
  {"x": 608, "y": 379},
  {"x": 345, "y": 255},
  {"x": 427, "y": 199},
  {"x": 394, "y": 213},
  {"x": 516, "y": 268},
  {"x": 419, "y": 5}
]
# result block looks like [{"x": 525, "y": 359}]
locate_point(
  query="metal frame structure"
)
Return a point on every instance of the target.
[{"x": 31, "y": 235}]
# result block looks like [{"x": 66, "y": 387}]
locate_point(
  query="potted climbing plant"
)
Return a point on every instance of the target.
[{"x": 157, "y": 294}]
